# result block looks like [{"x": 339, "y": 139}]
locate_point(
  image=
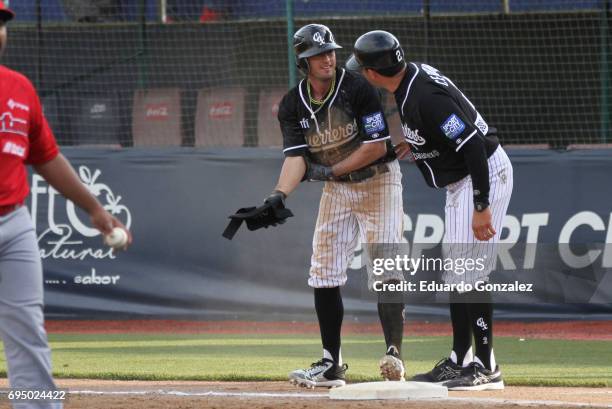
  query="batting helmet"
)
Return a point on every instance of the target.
[
  {"x": 6, "y": 14},
  {"x": 311, "y": 40},
  {"x": 378, "y": 50}
]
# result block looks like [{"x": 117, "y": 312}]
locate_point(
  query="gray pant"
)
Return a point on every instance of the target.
[{"x": 21, "y": 309}]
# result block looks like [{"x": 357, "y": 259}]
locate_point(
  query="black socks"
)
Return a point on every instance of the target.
[
  {"x": 473, "y": 318},
  {"x": 392, "y": 320},
  {"x": 330, "y": 311},
  {"x": 462, "y": 331},
  {"x": 481, "y": 317}
]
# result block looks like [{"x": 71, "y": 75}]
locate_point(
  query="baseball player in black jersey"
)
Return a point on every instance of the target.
[
  {"x": 454, "y": 148},
  {"x": 334, "y": 130}
]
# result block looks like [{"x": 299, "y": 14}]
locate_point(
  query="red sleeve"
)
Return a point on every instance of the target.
[{"x": 43, "y": 146}]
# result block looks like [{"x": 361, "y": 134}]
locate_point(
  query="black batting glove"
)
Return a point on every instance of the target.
[
  {"x": 276, "y": 199},
  {"x": 316, "y": 172}
]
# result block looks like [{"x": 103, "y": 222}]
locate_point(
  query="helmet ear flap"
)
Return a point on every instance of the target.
[{"x": 302, "y": 64}]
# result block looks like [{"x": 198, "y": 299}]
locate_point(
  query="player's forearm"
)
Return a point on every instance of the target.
[
  {"x": 59, "y": 173},
  {"x": 476, "y": 159},
  {"x": 362, "y": 157},
  {"x": 291, "y": 174}
]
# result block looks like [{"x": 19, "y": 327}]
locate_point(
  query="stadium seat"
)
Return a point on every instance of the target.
[
  {"x": 220, "y": 117},
  {"x": 96, "y": 120},
  {"x": 268, "y": 129},
  {"x": 156, "y": 118}
]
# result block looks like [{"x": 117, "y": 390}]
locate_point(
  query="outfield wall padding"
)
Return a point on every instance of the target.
[{"x": 177, "y": 203}]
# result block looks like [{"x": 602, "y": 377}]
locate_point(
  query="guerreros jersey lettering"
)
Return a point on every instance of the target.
[
  {"x": 329, "y": 133},
  {"x": 438, "y": 120}
]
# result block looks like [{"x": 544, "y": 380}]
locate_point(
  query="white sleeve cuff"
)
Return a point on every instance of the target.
[
  {"x": 377, "y": 140},
  {"x": 465, "y": 140},
  {"x": 294, "y": 148}
]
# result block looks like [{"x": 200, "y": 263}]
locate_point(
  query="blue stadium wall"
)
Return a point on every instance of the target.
[{"x": 176, "y": 203}]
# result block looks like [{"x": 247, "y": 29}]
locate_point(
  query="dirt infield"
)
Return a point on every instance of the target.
[
  {"x": 575, "y": 330},
  {"x": 99, "y": 394},
  {"x": 96, "y": 394}
]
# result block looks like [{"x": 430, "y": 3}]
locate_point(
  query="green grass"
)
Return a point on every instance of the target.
[{"x": 271, "y": 357}]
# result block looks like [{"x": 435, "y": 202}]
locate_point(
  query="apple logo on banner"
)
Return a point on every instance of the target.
[{"x": 68, "y": 235}]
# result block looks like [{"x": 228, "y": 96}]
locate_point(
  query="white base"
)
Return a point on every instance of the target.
[{"x": 389, "y": 390}]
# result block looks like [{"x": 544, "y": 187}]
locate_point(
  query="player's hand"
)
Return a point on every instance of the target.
[
  {"x": 316, "y": 172},
  {"x": 276, "y": 198},
  {"x": 482, "y": 225},
  {"x": 402, "y": 149},
  {"x": 104, "y": 222}
]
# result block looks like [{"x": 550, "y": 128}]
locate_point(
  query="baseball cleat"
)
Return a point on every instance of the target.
[
  {"x": 476, "y": 378},
  {"x": 392, "y": 366},
  {"x": 323, "y": 373},
  {"x": 445, "y": 370}
]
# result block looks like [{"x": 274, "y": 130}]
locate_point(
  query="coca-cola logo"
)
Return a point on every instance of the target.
[
  {"x": 221, "y": 110},
  {"x": 157, "y": 112}
]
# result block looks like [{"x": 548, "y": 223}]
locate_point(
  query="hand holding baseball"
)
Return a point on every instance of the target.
[
  {"x": 117, "y": 238},
  {"x": 116, "y": 235}
]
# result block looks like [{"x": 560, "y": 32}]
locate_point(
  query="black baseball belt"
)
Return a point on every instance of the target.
[{"x": 365, "y": 173}]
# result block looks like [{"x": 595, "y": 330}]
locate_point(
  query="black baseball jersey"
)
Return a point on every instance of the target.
[
  {"x": 329, "y": 133},
  {"x": 438, "y": 121}
]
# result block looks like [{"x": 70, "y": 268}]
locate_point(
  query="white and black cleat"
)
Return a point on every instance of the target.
[{"x": 323, "y": 373}]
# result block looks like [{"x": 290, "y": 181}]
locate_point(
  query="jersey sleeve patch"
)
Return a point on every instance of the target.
[
  {"x": 373, "y": 124},
  {"x": 452, "y": 127}
]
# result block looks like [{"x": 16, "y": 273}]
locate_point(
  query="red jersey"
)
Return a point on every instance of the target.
[{"x": 25, "y": 136}]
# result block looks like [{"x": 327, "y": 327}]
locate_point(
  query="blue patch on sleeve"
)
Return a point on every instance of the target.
[
  {"x": 373, "y": 124},
  {"x": 452, "y": 127}
]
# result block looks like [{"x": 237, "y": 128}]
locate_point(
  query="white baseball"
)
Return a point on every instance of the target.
[{"x": 117, "y": 238}]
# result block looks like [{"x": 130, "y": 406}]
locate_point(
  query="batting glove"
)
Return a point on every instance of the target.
[
  {"x": 276, "y": 198},
  {"x": 316, "y": 172}
]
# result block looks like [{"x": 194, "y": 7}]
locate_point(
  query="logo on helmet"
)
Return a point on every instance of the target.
[{"x": 318, "y": 38}]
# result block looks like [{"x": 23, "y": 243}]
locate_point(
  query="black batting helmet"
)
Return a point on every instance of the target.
[
  {"x": 378, "y": 50},
  {"x": 311, "y": 40}
]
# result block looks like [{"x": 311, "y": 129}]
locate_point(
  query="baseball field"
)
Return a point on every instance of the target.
[{"x": 167, "y": 364}]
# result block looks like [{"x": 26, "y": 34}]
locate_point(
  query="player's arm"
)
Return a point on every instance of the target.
[
  {"x": 441, "y": 113},
  {"x": 365, "y": 155},
  {"x": 59, "y": 173},
  {"x": 362, "y": 157},
  {"x": 291, "y": 174},
  {"x": 475, "y": 156},
  {"x": 402, "y": 149},
  {"x": 295, "y": 147}
]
